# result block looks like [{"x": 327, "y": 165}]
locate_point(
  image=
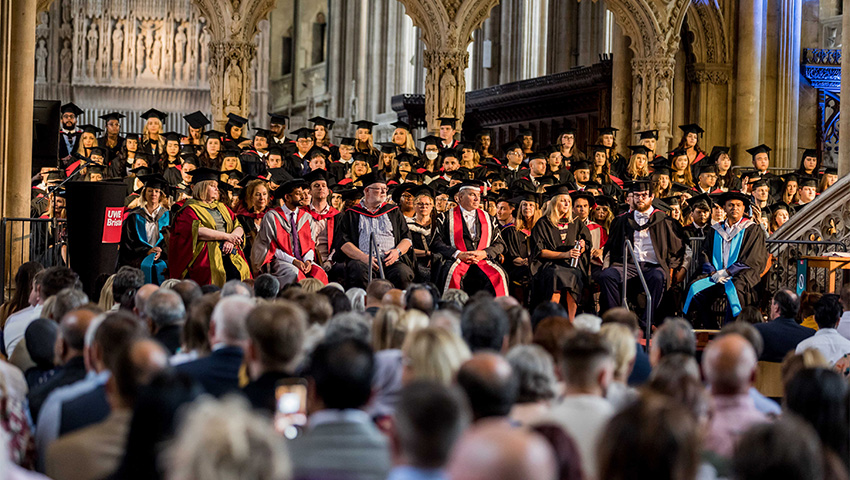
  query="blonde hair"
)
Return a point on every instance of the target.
[
  {"x": 520, "y": 218},
  {"x": 393, "y": 324},
  {"x": 409, "y": 143},
  {"x": 550, "y": 212},
  {"x": 199, "y": 190},
  {"x": 82, "y": 150},
  {"x": 434, "y": 353},
  {"x": 311, "y": 285},
  {"x": 633, "y": 170},
  {"x": 622, "y": 343},
  {"x": 224, "y": 440},
  {"x": 106, "y": 301},
  {"x": 146, "y": 133},
  {"x": 476, "y": 158}
]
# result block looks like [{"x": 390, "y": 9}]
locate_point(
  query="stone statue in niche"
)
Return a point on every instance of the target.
[
  {"x": 66, "y": 57},
  {"x": 41, "y": 62},
  {"x": 662, "y": 104},
  {"x": 233, "y": 84},
  {"x": 638, "y": 100},
  {"x": 43, "y": 28},
  {"x": 140, "y": 54},
  {"x": 448, "y": 94},
  {"x": 205, "y": 54},
  {"x": 117, "y": 50},
  {"x": 180, "y": 47},
  {"x": 156, "y": 55},
  {"x": 92, "y": 38}
]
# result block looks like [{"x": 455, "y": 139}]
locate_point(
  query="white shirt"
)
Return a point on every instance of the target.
[
  {"x": 829, "y": 342},
  {"x": 469, "y": 220},
  {"x": 584, "y": 418},
  {"x": 643, "y": 242},
  {"x": 844, "y": 325},
  {"x": 16, "y": 326},
  {"x": 279, "y": 253}
]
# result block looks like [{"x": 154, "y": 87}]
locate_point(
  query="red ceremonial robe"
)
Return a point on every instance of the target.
[
  {"x": 276, "y": 234},
  {"x": 458, "y": 269}
]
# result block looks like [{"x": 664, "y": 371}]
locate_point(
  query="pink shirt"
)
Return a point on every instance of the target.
[{"x": 731, "y": 415}]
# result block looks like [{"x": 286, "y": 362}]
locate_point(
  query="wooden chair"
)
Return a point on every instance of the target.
[{"x": 769, "y": 379}]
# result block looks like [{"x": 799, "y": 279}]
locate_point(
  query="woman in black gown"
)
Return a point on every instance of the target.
[
  {"x": 422, "y": 231},
  {"x": 556, "y": 242}
]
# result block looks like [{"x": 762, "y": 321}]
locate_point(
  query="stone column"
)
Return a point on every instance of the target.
[
  {"x": 232, "y": 26},
  {"x": 788, "y": 83},
  {"x": 621, "y": 88},
  {"x": 652, "y": 97},
  {"x": 710, "y": 84},
  {"x": 844, "y": 127},
  {"x": 747, "y": 113}
]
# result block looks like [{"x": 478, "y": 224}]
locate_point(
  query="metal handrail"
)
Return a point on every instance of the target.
[
  {"x": 373, "y": 251},
  {"x": 627, "y": 247},
  {"x": 735, "y": 168}
]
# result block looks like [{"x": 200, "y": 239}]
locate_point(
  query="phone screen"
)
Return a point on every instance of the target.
[{"x": 291, "y": 412}]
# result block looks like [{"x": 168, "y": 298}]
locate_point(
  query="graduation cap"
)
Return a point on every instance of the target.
[
  {"x": 264, "y": 133},
  {"x": 418, "y": 190},
  {"x": 303, "y": 133},
  {"x": 523, "y": 196},
  {"x": 647, "y": 134},
  {"x": 90, "y": 129},
  {"x": 154, "y": 181},
  {"x": 349, "y": 192},
  {"x": 204, "y": 174},
  {"x": 575, "y": 195},
  {"x": 703, "y": 197},
  {"x": 230, "y": 152},
  {"x": 450, "y": 121},
  {"x": 71, "y": 108},
  {"x": 806, "y": 181},
  {"x": 760, "y": 182},
  {"x": 388, "y": 147},
  {"x": 347, "y": 141},
  {"x": 196, "y": 119},
  {"x": 370, "y": 179},
  {"x": 325, "y": 122},
  {"x": 691, "y": 128},
  {"x": 830, "y": 171},
  {"x": 399, "y": 191},
  {"x": 537, "y": 156},
  {"x": 95, "y": 168},
  {"x": 402, "y": 125},
  {"x": 140, "y": 171},
  {"x": 605, "y": 201},
  {"x": 706, "y": 168},
  {"x": 733, "y": 195},
  {"x": 662, "y": 169},
  {"x": 580, "y": 165},
  {"x": 567, "y": 130},
  {"x": 809, "y": 152},
  {"x": 233, "y": 174},
  {"x": 470, "y": 184},
  {"x": 553, "y": 191},
  {"x": 717, "y": 151},
  {"x": 248, "y": 179},
  {"x": 362, "y": 157},
  {"x": 525, "y": 132},
  {"x": 215, "y": 134},
  {"x": 279, "y": 175},
  {"x": 289, "y": 187},
  {"x": 190, "y": 159},
  {"x": 143, "y": 156},
  {"x": 461, "y": 173},
  {"x": 774, "y": 207},
  {"x": 758, "y": 149},
  {"x": 365, "y": 124},
  {"x": 317, "y": 152},
  {"x": 172, "y": 137},
  {"x": 132, "y": 136},
  {"x": 316, "y": 175},
  {"x": 406, "y": 157},
  {"x": 638, "y": 149},
  {"x": 278, "y": 119},
  {"x": 154, "y": 113},
  {"x": 598, "y": 148},
  {"x": 594, "y": 185},
  {"x": 275, "y": 150},
  {"x": 608, "y": 131},
  {"x": 662, "y": 205},
  {"x": 112, "y": 116},
  {"x": 790, "y": 177},
  {"x": 431, "y": 140},
  {"x": 236, "y": 120},
  {"x": 510, "y": 146},
  {"x": 97, "y": 151},
  {"x": 639, "y": 185}
]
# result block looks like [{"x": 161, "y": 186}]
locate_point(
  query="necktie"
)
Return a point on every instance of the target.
[{"x": 296, "y": 245}]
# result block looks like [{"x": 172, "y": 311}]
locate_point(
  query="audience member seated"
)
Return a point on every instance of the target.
[
  {"x": 166, "y": 315},
  {"x": 786, "y": 448},
  {"x": 674, "y": 336},
  {"x": 490, "y": 385},
  {"x": 819, "y": 396},
  {"x": 375, "y": 292},
  {"x": 782, "y": 333},
  {"x": 827, "y": 340},
  {"x": 535, "y": 371},
  {"x": 624, "y": 316},
  {"x": 485, "y": 326},
  {"x": 434, "y": 354}
]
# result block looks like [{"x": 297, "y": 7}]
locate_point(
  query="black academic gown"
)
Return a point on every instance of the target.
[
  {"x": 747, "y": 269},
  {"x": 64, "y": 140},
  {"x": 111, "y": 152},
  {"x": 421, "y": 238},
  {"x": 665, "y": 236},
  {"x": 550, "y": 276},
  {"x": 516, "y": 246},
  {"x": 134, "y": 246}
]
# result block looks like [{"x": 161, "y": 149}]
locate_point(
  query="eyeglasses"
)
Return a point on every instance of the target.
[
  {"x": 379, "y": 189},
  {"x": 424, "y": 204},
  {"x": 641, "y": 195}
]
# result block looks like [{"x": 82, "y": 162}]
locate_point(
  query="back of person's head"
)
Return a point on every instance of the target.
[
  {"x": 622, "y": 342},
  {"x": 680, "y": 382},
  {"x": 113, "y": 333},
  {"x": 55, "y": 279},
  {"x": 317, "y": 307},
  {"x": 348, "y": 325},
  {"x": 808, "y": 300},
  {"x": 386, "y": 328},
  {"x": 551, "y": 334},
  {"x": 66, "y": 300},
  {"x": 228, "y": 318},
  {"x": 729, "y": 364},
  {"x": 446, "y": 318},
  {"x": 165, "y": 307},
  {"x": 311, "y": 285},
  {"x": 586, "y": 362},
  {"x": 746, "y": 330},
  {"x": 535, "y": 372},
  {"x": 419, "y": 297},
  {"x": 794, "y": 362},
  {"x": 787, "y": 303},
  {"x": 454, "y": 298},
  {"x": 490, "y": 385},
  {"x": 674, "y": 336},
  {"x": 339, "y": 302},
  {"x": 224, "y": 440},
  {"x": 654, "y": 436},
  {"x": 342, "y": 371},
  {"x": 266, "y": 286},
  {"x": 236, "y": 287},
  {"x": 277, "y": 333},
  {"x": 73, "y": 326},
  {"x": 587, "y": 322},
  {"x": 492, "y": 450},
  {"x": 484, "y": 326},
  {"x": 785, "y": 448},
  {"x": 136, "y": 365},
  {"x": 828, "y": 311},
  {"x": 357, "y": 297},
  {"x": 128, "y": 280},
  {"x": 546, "y": 310},
  {"x": 189, "y": 291},
  {"x": 622, "y": 316},
  {"x": 429, "y": 418},
  {"x": 195, "y": 336},
  {"x": 565, "y": 448},
  {"x": 519, "y": 325},
  {"x": 376, "y": 290},
  {"x": 819, "y": 396},
  {"x": 40, "y": 339},
  {"x": 24, "y": 280},
  {"x": 435, "y": 354},
  {"x": 751, "y": 315}
]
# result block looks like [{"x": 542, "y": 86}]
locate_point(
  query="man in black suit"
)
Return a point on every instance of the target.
[
  {"x": 165, "y": 313},
  {"x": 782, "y": 333},
  {"x": 340, "y": 441},
  {"x": 69, "y": 134},
  {"x": 218, "y": 372},
  {"x": 471, "y": 264},
  {"x": 275, "y": 337}
]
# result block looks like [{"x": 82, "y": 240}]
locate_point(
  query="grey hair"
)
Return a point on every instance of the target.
[
  {"x": 675, "y": 336},
  {"x": 236, "y": 287},
  {"x": 66, "y": 300},
  {"x": 88, "y": 340},
  {"x": 456, "y": 295},
  {"x": 164, "y": 307},
  {"x": 357, "y": 296},
  {"x": 224, "y": 440},
  {"x": 535, "y": 370},
  {"x": 348, "y": 325},
  {"x": 170, "y": 283},
  {"x": 229, "y": 316}
]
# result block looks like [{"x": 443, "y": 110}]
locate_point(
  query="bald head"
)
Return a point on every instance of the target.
[
  {"x": 729, "y": 364},
  {"x": 394, "y": 297},
  {"x": 73, "y": 329},
  {"x": 136, "y": 366},
  {"x": 496, "y": 451},
  {"x": 142, "y": 296},
  {"x": 489, "y": 383}
]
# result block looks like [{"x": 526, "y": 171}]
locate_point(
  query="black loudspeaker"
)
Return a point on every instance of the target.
[
  {"x": 45, "y": 134},
  {"x": 92, "y": 208}
]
